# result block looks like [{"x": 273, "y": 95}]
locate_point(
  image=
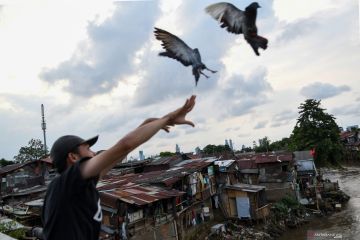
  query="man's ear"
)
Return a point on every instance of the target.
[{"x": 72, "y": 158}]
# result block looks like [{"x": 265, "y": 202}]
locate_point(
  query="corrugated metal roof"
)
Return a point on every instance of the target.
[
  {"x": 344, "y": 135},
  {"x": 196, "y": 163},
  {"x": 246, "y": 187},
  {"x": 14, "y": 167},
  {"x": 139, "y": 194},
  {"x": 272, "y": 158},
  {"x": 167, "y": 177},
  {"x": 47, "y": 160},
  {"x": 303, "y": 155},
  {"x": 136, "y": 188},
  {"x": 165, "y": 160},
  {"x": 224, "y": 163},
  {"x": 305, "y": 165},
  {"x": 246, "y": 164},
  {"x": 260, "y": 158},
  {"x": 134, "y": 163}
]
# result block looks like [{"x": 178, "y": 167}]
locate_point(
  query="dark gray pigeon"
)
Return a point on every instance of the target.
[
  {"x": 237, "y": 21},
  {"x": 178, "y": 50}
]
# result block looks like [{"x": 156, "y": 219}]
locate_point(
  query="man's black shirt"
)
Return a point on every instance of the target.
[{"x": 72, "y": 207}]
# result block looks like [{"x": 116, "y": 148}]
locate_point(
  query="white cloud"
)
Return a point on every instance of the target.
[
  {"x": 283, "y": 118},
  {"x": 292, "y": 10},
  {"x": 260, "y": 125},
  {"x": 108, "y": 55},
  {"x": 352, "y": 110},
  {"x": 36, "y": 34},
  {"x": 239, "y": 95},
  {"x": 319, "y": 90}
]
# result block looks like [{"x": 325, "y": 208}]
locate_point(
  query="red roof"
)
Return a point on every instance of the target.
[
  {"x": 140, "y": 194},
  {"x": 47, "y": 160},
  {"x": 344, "y": 135},
  {"x": 246, "y": 164}
]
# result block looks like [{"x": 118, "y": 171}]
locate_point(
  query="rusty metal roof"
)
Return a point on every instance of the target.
[
  {"x": 166, "y": 177},
  {"x": 246, "y": 187},
  {"x": 13, "y": 167},
  {"x": 47, "y": 160},
  {"x": 165, "y": 160},
  {"x": 246, "y": 164},
  {"x": 224, "y": 163},
  {"x": 260, "y": 158},
  {"x": 136, "y": 189},
  {"x": 139, "y": 194}
]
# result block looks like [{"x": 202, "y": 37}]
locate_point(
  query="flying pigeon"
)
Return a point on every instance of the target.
[
  {"x": 237, "y": 21},
  {"x": 180, "y": 51}
]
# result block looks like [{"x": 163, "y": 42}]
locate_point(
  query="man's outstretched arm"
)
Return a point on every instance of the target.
[{"x": 135, "y": 138}]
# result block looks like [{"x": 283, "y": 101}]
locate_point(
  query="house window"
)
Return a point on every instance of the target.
[{"x": 284, "y": 168}]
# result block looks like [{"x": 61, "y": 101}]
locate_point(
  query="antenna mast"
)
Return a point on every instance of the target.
[{"x": 43, "y": 127}]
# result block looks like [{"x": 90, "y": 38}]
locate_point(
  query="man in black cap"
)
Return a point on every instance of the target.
[{"x": 72, "y": 205}]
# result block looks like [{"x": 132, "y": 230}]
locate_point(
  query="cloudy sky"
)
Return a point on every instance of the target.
[{"x": 94, "y": 65}]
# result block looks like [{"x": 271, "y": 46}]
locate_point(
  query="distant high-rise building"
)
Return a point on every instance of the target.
[
  {"x": 177, "y": 149},
  {"x": 231, "y": 144},
  {"x": 349, "y": 128},
  {"x": 226, "y": 142},
  {"x": 197, "y": 151},
  {"x": 141, "y": 155}
]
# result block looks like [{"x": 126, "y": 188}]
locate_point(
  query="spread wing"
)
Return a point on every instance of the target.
[
  {"x": 230, "y": 17},
  {"x": 175, "y": 47}
]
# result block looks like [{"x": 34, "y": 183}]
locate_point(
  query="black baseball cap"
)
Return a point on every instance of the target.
[{"x": 64, "y": 145}]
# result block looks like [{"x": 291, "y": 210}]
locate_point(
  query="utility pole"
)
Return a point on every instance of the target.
[{"x": 43, "y": 127}]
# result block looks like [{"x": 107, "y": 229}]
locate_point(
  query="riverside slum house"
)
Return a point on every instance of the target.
[
  {"x": 22, "y": 184},
  {"x": 271, "y": 170},
  {"x": 305, "y": 175},
  {"x": 248, "y": 169},
  {"x": 227, "y": 172},
  {"x": 312, "y": 190},
  {"x": 158, "y": 204},
  {"x": 239, "y": 200},
  {"x": 246, "y": 202},
  {"x": 351, "y": 142}
]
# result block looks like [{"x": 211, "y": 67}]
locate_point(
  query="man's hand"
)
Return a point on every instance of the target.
[
  {"x": 165, "y": 128},
  {"x": 177, "y": 117}
]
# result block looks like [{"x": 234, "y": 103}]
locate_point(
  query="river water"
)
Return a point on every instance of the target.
[{"x": 339, "y": 225}]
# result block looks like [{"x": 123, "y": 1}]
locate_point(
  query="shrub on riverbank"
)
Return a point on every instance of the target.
[{"x": 282, "y": 208}]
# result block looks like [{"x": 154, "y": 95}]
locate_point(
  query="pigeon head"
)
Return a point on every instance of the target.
[{"x": 253, "y": 6}]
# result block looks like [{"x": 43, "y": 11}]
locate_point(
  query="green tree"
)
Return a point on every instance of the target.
[
  {"x": 216, "y": 149},
  {"x": 283, "y": 144},
  {"x": 317, "y": 129},
  {"x": 246, "y": 149},
  {"x": 167, "y": 154},
  {"x": 34, "y": 151},
  {"x": 4, "y": 162},
  {"x": 264, "y": 145}
]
